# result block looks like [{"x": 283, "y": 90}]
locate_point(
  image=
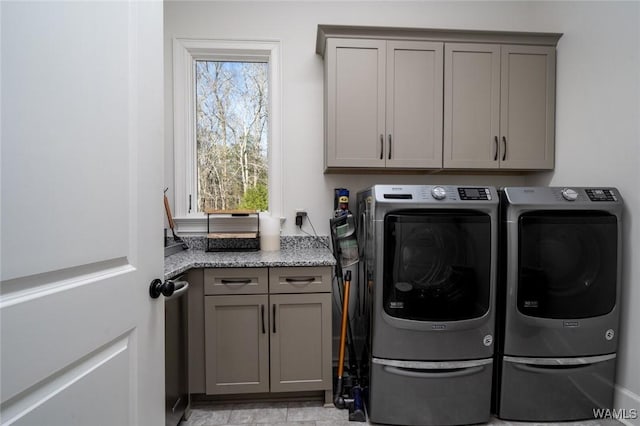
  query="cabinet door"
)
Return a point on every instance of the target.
[
  {"x": 471, "y": 105},
  {"x": 355, "y": 78},
  {"x": 300, "y": 342},
  {"x": 527, "y": 105},
  {"x": 236, "y": 344},
  {"x": 414, "y": 104}
]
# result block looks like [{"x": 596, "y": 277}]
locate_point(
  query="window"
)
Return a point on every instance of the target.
[
  {"x": 232, "y": 131},
  {"x": 226, "y": 128}
]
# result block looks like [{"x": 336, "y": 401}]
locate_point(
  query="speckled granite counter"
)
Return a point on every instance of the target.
[{"x": 289, "y": 255}]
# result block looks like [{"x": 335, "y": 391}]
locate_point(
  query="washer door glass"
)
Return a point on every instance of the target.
[
  {"x": 437, "y": 264},
  {"x": 567, "y": 264}
]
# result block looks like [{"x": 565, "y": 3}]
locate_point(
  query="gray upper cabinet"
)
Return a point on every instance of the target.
[
  {"x": 499, "y": 106},
  {"x": 412, "y": 99},
  {"x": 355, "y": 78},
  {"x": 383, "y": 104},
  {"x": 527, "y": 107},
  {"x": 472, "y": 105},
  {"x": 414, "y": 104}
]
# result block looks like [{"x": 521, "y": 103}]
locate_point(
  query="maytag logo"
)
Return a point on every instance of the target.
[
  {"x": 438, "y": 327},
  {"x": 572, "y": 323}
]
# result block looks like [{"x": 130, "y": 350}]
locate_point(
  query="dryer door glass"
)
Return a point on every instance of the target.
[
  {"x": 437, "y": 264},
  {"x": 567, "y": 264}
]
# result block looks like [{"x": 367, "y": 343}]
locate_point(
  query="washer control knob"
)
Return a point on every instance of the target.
[
  {"x": 439, "y": 193},
  {"x": 569, "y": 194}
]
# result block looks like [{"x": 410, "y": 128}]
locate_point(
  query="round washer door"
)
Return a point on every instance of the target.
[
  {"x": 437, "y": 265},
  {"x": 567, "y": 264}
]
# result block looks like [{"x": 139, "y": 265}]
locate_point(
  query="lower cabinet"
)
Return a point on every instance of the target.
[
  {"x": 300, "y": 355},
  {"x": 270, "y": 336},
  {"x": 236, "y": 344}
]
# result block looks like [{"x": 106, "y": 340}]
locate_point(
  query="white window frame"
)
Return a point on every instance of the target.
[{"x": 185, "y": 54}]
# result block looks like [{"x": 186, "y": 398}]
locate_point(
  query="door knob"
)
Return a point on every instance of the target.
[{"x": 158, "y": 287}]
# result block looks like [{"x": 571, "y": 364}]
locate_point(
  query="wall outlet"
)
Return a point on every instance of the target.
[{"x": 300, "y": 215}]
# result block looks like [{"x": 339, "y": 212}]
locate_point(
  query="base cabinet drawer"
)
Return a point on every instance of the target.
[
  {"x": 236, "y": 281},
  {"x": 300, "y": 280}
]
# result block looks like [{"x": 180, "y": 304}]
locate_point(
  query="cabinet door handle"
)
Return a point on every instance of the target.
[
  {"x": 237, "y": 282},
  {"x": 504, "y": 150},
  {"x": 262, "y": 314},
  {"x": 495, "y": 156},
  {"x": 274, "y": 318},
  {"x": 389, "y": 146},
  {"x": 381, "y": 146}
]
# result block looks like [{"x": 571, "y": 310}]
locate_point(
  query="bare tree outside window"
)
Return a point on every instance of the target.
[{"x": 232, "y": 117}]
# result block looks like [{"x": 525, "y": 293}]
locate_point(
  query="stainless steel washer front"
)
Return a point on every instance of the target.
[
  {"x": 429, "y": 261},
  {"x": 560, "y": 288}
]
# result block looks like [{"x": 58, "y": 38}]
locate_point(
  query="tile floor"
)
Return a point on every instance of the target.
[{"x": 308, "y": 414}]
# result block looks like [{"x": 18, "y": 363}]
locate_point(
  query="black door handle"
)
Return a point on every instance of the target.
[
  {"x": 274, "y": 318},
  {"x": 504, "y": 151},
  {"x": 262, "y": 314},
  {"x": 239, "y": 281},
  {"x": 300, "y": 280},
  {"x": 157, "y": 287}
]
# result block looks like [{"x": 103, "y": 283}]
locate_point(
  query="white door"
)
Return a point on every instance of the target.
[{"x": 82, "y": 142}]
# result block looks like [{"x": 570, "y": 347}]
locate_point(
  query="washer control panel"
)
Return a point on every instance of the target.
[
  {"x": 474, "y": 193},
  {"x": 569, "y": 197},
  {"x": 600, "y": 195},
  {"x": 443, "y": 194}
]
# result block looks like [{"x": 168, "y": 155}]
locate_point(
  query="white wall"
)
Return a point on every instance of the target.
[{"x": 598, "y": 116}]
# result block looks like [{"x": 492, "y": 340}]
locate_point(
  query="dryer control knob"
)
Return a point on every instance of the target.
[
  {"x": 569, "y": 194},
  {"x": 439, "y": 193}
]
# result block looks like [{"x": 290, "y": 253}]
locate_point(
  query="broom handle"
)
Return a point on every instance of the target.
[
  {"x": 343, "y": 329},
  {"x": 167, "y": 208}
]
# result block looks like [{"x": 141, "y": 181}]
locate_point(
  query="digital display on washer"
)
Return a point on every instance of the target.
[
  {"x": 600, "y": 195},
  {"x": 474, "y": 194}
]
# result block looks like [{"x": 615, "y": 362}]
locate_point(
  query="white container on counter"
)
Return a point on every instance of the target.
[{"x": 269, "y": 232}]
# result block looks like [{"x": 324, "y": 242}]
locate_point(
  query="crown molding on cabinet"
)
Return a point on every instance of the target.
[{"x": 433, "y": 34}]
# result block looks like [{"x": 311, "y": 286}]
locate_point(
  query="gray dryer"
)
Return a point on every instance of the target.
[{"x": 558, "y": 302}]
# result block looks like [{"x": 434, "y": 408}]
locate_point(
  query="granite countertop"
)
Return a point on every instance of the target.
[{"x": 288, "y": 255}]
